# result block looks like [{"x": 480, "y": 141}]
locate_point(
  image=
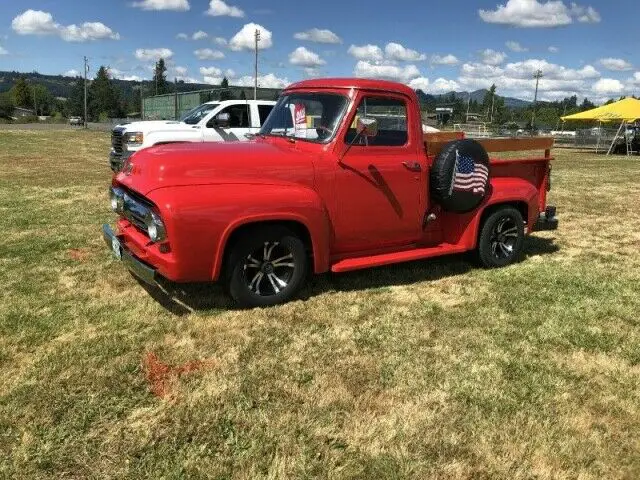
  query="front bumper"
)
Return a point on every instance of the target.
[
  {"x": 140, "y": 269},
  {"x": 547, "y": 220}
]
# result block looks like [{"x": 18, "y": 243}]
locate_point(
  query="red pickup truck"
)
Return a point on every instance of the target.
[{"x": 340, "y": 177}]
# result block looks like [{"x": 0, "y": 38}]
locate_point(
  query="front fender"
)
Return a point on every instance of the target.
[{"x": 202, "y": 218}]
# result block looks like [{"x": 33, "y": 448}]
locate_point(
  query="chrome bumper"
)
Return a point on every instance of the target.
[{"x": 141, "y": 270}]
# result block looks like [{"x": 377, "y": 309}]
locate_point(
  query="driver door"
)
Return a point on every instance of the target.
[
  {"x": 233, "y": 130},
  {"x": 379, "y": 181}
]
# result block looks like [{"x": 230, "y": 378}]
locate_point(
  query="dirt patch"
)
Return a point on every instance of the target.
[
  {"x": 79, "y": 254},
  {"x": 162, "y": 378}
]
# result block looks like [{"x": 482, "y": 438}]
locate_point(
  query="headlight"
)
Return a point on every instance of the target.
[
  {"x": 134, "y": 138},
  {"x": 155, "y": 227},
  {"x": 117, "y": 200}
]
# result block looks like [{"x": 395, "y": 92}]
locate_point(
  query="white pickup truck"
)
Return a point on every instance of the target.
[{"x": 225, "y": 121}]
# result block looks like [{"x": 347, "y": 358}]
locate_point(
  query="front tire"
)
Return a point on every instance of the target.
[
  {"x": 267, "y": 267},
  {"x": 501, "y": 238}
]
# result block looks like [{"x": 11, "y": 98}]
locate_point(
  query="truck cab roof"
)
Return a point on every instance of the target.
[{"x": 358, "y": 83}]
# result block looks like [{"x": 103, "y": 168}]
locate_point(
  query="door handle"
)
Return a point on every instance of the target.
[{"x": 412, "y": 166}]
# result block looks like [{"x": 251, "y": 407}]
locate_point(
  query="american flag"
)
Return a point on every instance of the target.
[{"x": 469, "y": 176}]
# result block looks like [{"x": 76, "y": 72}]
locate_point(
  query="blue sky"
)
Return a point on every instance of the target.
[{"x": 586, "y": 49}]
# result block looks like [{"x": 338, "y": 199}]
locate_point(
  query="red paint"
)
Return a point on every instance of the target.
[{"x": 363, "y": 211}]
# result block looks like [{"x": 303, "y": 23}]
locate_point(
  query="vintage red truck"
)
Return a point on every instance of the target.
[{"x": 340, "y": 177}]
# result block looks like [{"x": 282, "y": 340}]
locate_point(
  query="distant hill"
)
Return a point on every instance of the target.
[
  {"x": 477, "y": 95},
  {"x": 61, "y": 86}
]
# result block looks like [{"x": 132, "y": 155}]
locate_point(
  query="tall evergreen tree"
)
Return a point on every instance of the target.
[
  {"x": 160, "y": 78},
  {"x": 75, "y": 103},
  {"x": 225, "y": 93},
  {"x": 21, "y": 94},
  {"x": 104, "y": 98}
]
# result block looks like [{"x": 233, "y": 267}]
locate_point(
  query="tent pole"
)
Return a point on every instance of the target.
[{"x": 613, "y": 142}]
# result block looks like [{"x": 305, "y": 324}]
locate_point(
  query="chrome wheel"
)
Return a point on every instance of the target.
[
  {"x": 269, "y": 269},
  {"x": 504, "y": 237}
]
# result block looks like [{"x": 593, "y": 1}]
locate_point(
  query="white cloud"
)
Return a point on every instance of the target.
[
  {"x": 71, "y": 73},
  {"x": 200, "y": 35},
  {"x": 634, "y": 82},
  {"x": 444, "y": 60},
  {"x": 516, "y": 79},
  {"x": 608, "y": 86},
  {"x": 153, "y": 54},
  {"x": 208, "y": 54},
  {"x": 387, "y": 72},
  {"x": 218, "y": 8},
  {"x": 395, "y": 51},
  {"x": 4, "y": 51},
  {"x": 370, "y": 53},
  {"x": 303, "y": 57},
  {"x": 245, "y": 38},
  {"x": 180, "y": 71},
  {"x": 37, "y": 22},
  {"x": 176, "y": 5},
  {"x": 312, "y": 72},
  {"x": 182, "y": 36},
  {"x": 616, "y": 64},
  {"x": 212, "y": 75},
  {"x": 220, "y": 41},
  {"x": 440, "y": 85},
  {"x": 541, "y": 14},
  {"x": 491, "y": 57},
  {"x": 318, "y": 36},
  {"x": 264, "y": 81},
  {"x": 553, "y": 49},
  {"x": 516, "y": 47}
]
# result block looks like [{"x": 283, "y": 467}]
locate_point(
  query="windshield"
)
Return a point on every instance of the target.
[
  {"x": 307, "y": 116},
  {"x": 193, "y": 117}
]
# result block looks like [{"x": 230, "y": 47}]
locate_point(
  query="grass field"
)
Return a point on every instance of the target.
[{"x": 433, "y": 369}]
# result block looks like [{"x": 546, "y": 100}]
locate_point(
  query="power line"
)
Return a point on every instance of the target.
[{"x": 538, "y": 75}]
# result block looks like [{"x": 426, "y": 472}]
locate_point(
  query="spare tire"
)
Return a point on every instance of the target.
[{"x": 460, "y": 176}]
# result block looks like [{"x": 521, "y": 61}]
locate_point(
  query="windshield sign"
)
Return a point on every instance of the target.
[
  {"x": 193, "y": 117},
  {"x": 313, "y": 117}
]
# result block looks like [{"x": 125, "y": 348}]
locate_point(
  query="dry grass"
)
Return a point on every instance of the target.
[{"x": 428, "y": 370}]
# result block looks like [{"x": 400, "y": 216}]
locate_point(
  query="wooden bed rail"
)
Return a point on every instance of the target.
[{"x": 437, "y": 140}]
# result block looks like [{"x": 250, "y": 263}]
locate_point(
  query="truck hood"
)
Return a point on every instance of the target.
[
  {"x": 183, "y": 164},
  {"x": 156, "y": 125}
]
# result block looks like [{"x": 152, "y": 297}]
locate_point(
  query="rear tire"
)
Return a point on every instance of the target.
[
  {"x": 501, "y": 238},
  {"x": 267, "y": 267}
]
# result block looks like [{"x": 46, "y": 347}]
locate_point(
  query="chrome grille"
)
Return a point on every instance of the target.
[
  {"x": 117, "y": 140},
  {"x": 136, "y": 209}
]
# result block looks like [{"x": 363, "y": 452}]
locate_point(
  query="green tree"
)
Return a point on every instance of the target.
[
  {"x": 225, "y": 93},
  {"x": 243, "y": 96},
  {"x": 21, "y": 94},
  {"x": 44, "y": 101},
  {"x": 586, "y": 104},
  {"x": 75, "y": 103},
  {"x": 6, "y": 105},
  {"x": 160, "y": 78},
  {"x": 104, "y": 100}
]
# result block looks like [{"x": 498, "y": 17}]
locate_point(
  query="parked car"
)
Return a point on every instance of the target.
[
  {"x": 336, "y": 194},
  {"x": 76, "y": 121},
  {"x": 231, "y": 120}
]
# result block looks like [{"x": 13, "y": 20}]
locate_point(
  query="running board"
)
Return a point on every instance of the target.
[{"x": 396, "y": 257}]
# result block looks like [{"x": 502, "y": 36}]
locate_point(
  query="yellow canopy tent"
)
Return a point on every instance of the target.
[{"x": 624, "y": 111}]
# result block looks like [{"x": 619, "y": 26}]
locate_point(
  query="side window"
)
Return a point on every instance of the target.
[
  {"x": 264, "y": 111},
  {"x": 391, "y": 115},
  {"x": 238, "y": 116}
]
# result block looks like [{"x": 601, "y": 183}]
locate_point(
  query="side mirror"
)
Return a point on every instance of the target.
[
  {"x": 221, "y": 120},
  {"x": 367, "y": 127}
]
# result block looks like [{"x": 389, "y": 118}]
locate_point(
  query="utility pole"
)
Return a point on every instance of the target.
[
  {"x": 255, "y": 85},
  {"x": 466, "y": 119},
  {"x": 538, "y": 75},
  {"x": 86, "y": 70}
]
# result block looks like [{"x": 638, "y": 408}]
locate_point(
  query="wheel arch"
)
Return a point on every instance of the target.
[{"x": 316, "y": 248}]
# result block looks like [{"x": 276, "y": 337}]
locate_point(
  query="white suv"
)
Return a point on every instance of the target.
[{"x": 226, "y": 121}]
